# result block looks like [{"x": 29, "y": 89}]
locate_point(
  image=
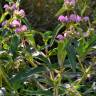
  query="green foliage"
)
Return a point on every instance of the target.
[{"x": 38, "y": 63}]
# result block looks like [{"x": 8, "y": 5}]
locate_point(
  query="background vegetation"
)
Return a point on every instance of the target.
[{"x": 37, "y": 62}]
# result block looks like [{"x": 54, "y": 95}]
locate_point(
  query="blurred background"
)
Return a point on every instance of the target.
[{"x": 41, "y": 13}]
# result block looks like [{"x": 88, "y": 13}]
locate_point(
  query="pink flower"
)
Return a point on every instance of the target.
[
  {"x": 62, "y": 18},
  {"x": 86, "y": 18},
  {"x": 22, "y": 13},
  {"x": 23, "y": 28},
  {"x": 60, "y": 37},
  {"x": 15, "y": 23},
  {"x": 14, "y": 6},
  {"x": 10, "y": 7},
  {"x": 18, "y": 30},
  {"x": 78, "y": 18},
  {"x": 6, "y": 7}
]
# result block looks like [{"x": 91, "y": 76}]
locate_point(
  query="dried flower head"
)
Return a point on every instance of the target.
[
  {"x": 19, "y": 13},
  {"x": 70, "y": 2}
]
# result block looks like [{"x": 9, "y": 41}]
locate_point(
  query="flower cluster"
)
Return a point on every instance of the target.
[
  {"x": 21, "y": 28},
  {"x": 15, "y": 21},
  {"x": 68, "y": 33},
  {"x": 10, "y": 7},
  {"x": 70, "y": 2},
  {"x": 72, "y": 18},
  {"x": 19, "y": 13},
  {"x": 15, "y": 8},
  {"x": 18, "y": 26}
]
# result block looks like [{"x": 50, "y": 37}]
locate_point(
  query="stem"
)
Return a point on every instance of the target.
[
  {"x": 55, "y": 84},
  {"x": 85, "y": 74},
  {"x": 55, "y": 93},
  {"x": 46, "y": 49},
  {"x": 81, "y": 65},
  {"x": 3, "y": 16},
  {"x": 0, "y": 78}
]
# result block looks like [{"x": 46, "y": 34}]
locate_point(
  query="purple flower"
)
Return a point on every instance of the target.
[
  {"x": 60, "y": 37},
  {"x": 70, "y": 2},
  {"x": 78, "y": 18},
  {"x": 75, "y": 18},
  {"x": 4, "y": 23},
  {"x": 66, "y": 19},
  {"x": 14, "y": 7},
  {"x": 15, "y": 23},
  {"x": 22, "y": 13},
  {"x": 23, "y": 28},
  {"x": 72, "y": 17},
  {"x": 10, "y": 7},
  {"x": 18, "y": 30},
  {"x": 63, "y": 18},
  {"x": 6, "y": 7},
  {"x": 86, "y": 18}
]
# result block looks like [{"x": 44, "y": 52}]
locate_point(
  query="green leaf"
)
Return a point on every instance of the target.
[
  {"x": 3, "y": 17},
  {"x": 4, "y": 77},
  {"x": 45, "y": 61},
  {"x": 30, "y": 38},
  {"x": 85, "y": 47},
  {"x": 9, "y": 0},
  {"x": 25, "y": 20},
  {"x": 15, "y": 40},
  {"x": 62, "y": 51},
  {"x": 23, "y": 75},
  {"x": 72, "y": 56},
  {"x": 83, "y": 10},
  {"x": 61, "y": 11},
  {"x": 39, "y": 92}
]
